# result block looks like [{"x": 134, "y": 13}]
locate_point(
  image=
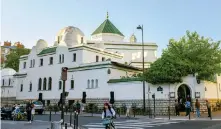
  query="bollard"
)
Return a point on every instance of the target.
[
  {"x": 154, "y": 107},
  {"x": 50, "y": 115},
  {"x": 66, "y": 126},
  {"x": 74, "y": 120},
  {"x": 189, "y": 113},
  {"x": 77, "y": 120},
  {"x": 70, "y": 117},
  {"x": 169, "y": 112},
  {"x": 52, "y": 125}
]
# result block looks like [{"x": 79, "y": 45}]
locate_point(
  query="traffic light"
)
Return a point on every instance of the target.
[
  {"x": 84, "y": 97},
  {"x": 64, "y": 71},
  {"x": 153, "y": 96},
  {"x": 112, "y": 97}
]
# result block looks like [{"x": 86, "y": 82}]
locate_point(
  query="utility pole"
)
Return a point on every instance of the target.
[{"x": 64, "y": 78}]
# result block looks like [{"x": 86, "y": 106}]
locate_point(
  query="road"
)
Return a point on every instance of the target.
[{"x": 88, "y": 122}]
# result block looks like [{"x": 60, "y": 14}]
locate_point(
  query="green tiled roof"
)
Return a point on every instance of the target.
[
  {"x": 107, "y": 27},
  {"x": 48, "y": 50},
  {"x": 124, "y": 80}
]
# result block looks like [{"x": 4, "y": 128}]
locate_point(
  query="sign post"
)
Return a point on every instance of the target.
[{"x": 64, "y": 78}]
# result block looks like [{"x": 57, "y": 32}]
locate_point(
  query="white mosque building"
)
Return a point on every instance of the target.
[{"x": 96, "y": 66}]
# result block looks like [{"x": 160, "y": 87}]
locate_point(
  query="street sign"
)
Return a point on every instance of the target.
[{"x": 64, "y": 71}]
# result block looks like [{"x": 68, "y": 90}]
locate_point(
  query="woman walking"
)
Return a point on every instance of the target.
[
  {"x": 28, "y": 110},
  {"x": 32, "y": 112}
]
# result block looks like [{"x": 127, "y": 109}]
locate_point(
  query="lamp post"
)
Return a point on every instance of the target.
[{"x": 144, "y": 104}]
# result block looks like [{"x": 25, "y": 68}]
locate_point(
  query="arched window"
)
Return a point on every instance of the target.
[
  {"x": 33, "y": 62},
  {"x": 21, "y": 88},
  {"x": 39, "y": 83},
  {"x": 49, "y": 83},
  {"x": 88, "y": 84},
  {"x": 82, "y": 39},
  {"x": 96, "y": 83},
  {"x": 60, "y": 85},
  {"x": 9, "y": 82},
  {"x": 72, "y": 84},
  {"x": 30, "y": 87},
  {"x": 3, "y": 82},
  {"x": 92, "y": 84},
  {"x": 44, "y": 84}
]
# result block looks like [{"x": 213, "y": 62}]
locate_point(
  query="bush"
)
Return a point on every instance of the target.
[
  {"x": 91, "y": 108},
  {"x": 56, "y": 108}
]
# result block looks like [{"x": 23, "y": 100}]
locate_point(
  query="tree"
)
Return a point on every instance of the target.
[
  {"x": 190, "y": 55},
  {"x": 13, "y": 58}
]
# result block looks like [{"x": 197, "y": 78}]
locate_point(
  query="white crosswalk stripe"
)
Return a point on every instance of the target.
[{"x": 133, "y": 124}]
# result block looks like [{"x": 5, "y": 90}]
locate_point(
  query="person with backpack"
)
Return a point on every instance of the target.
[
  {"x": 188, "y": 107},
  {"x": 78, "y": 107},
  {"x": 108, "y": 112}
]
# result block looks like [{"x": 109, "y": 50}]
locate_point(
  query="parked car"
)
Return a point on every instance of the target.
[
  {"x": 38, "y": 106},
  {"x": 6, "y": 113}
]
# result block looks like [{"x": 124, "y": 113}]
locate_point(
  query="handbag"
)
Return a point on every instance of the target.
[{"x": 106, "y": 121}]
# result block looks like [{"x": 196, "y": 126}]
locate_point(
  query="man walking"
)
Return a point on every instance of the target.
[
  {"x": 197, "y": 106},
  {"x": 188, "y": 107},
  {"x": 208, "y": 108}
]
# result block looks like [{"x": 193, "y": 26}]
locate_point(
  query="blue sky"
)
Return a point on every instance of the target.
[{"x": 29, "y": 20}]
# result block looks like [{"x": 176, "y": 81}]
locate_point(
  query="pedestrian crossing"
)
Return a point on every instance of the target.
[{"x": 133, "y": 124}]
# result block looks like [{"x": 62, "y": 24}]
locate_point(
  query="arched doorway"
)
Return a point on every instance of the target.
[{"x": 183, "y": 93}]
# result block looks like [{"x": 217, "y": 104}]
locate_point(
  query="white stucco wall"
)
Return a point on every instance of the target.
[{"x": 212, "y": 90}]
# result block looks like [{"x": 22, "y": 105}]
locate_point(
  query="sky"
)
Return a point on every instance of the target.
[{"x": 29, "y": 20}]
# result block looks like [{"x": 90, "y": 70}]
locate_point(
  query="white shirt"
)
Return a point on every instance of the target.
[{"x": 108, "y": 113}]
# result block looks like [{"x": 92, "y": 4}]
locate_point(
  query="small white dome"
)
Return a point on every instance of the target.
[
  {"x": 70, "y": 35},
  {"x": 7, "y": 72},
  {"x": 41, "y": 44}
]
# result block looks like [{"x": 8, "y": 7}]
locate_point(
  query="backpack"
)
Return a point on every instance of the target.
[{"x": 110, "y": 112}]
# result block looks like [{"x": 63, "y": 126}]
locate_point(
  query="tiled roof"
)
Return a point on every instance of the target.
[
  {"x": 107, "y": 27},
  {"x": 48, "y": 50},
  {"x": 124, "y": 80}
]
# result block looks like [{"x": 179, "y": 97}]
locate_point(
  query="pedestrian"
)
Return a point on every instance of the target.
[
  {"x": 188, "y": 107},
  {"x": 197, "y": 106},
  {"x": 208, "y": 108},
  {"x": 78, "y": 107},
  {"x": 177, "y": 108},
  {"x": 32, "y": 112},
  {"x": 28, "y": 110},
  {"x": 128, "y": 111}
]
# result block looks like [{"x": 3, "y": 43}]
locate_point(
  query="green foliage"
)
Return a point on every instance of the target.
[
  {"x": 13, "y": 58},
  {"x": 190, "y": 55}
]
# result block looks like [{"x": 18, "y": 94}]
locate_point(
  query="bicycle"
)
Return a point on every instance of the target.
[{"x": 108, "y": 123}]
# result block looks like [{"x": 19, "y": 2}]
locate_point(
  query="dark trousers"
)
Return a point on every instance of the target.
[
  {"x": 177, "y": 111},
  {"x": 29, "y": 115},
  {"x": 187, "y": 111},
  {"x": 209, "y": 112}
]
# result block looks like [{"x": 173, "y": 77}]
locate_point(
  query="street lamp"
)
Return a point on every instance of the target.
[{"x": 144, "y": 104}]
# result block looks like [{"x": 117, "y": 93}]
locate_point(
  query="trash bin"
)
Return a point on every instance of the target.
[{"x": 56, "y": 125}]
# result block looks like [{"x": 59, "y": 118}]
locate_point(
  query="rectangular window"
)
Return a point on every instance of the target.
[
  {"x": 72, "y": 84},
  {"x": 21, "y": 88},
  {"x": 219, "y": 87},
  {"x": 24, "y": 65},
  {"x": 97, "y": 58},
  {"x": 41, "y": 62},
  {"x": 103, "y": 58},
  {"x": 51, "y": 60},
  {"x": 59, "y": 58},
  {"x": 74, "y": 57},
  {"x": 62, "y": 58},
  {"x": 60, "y": 85}
]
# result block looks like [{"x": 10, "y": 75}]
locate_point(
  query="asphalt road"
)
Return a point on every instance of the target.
[{"x": 88, "y": 122}]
